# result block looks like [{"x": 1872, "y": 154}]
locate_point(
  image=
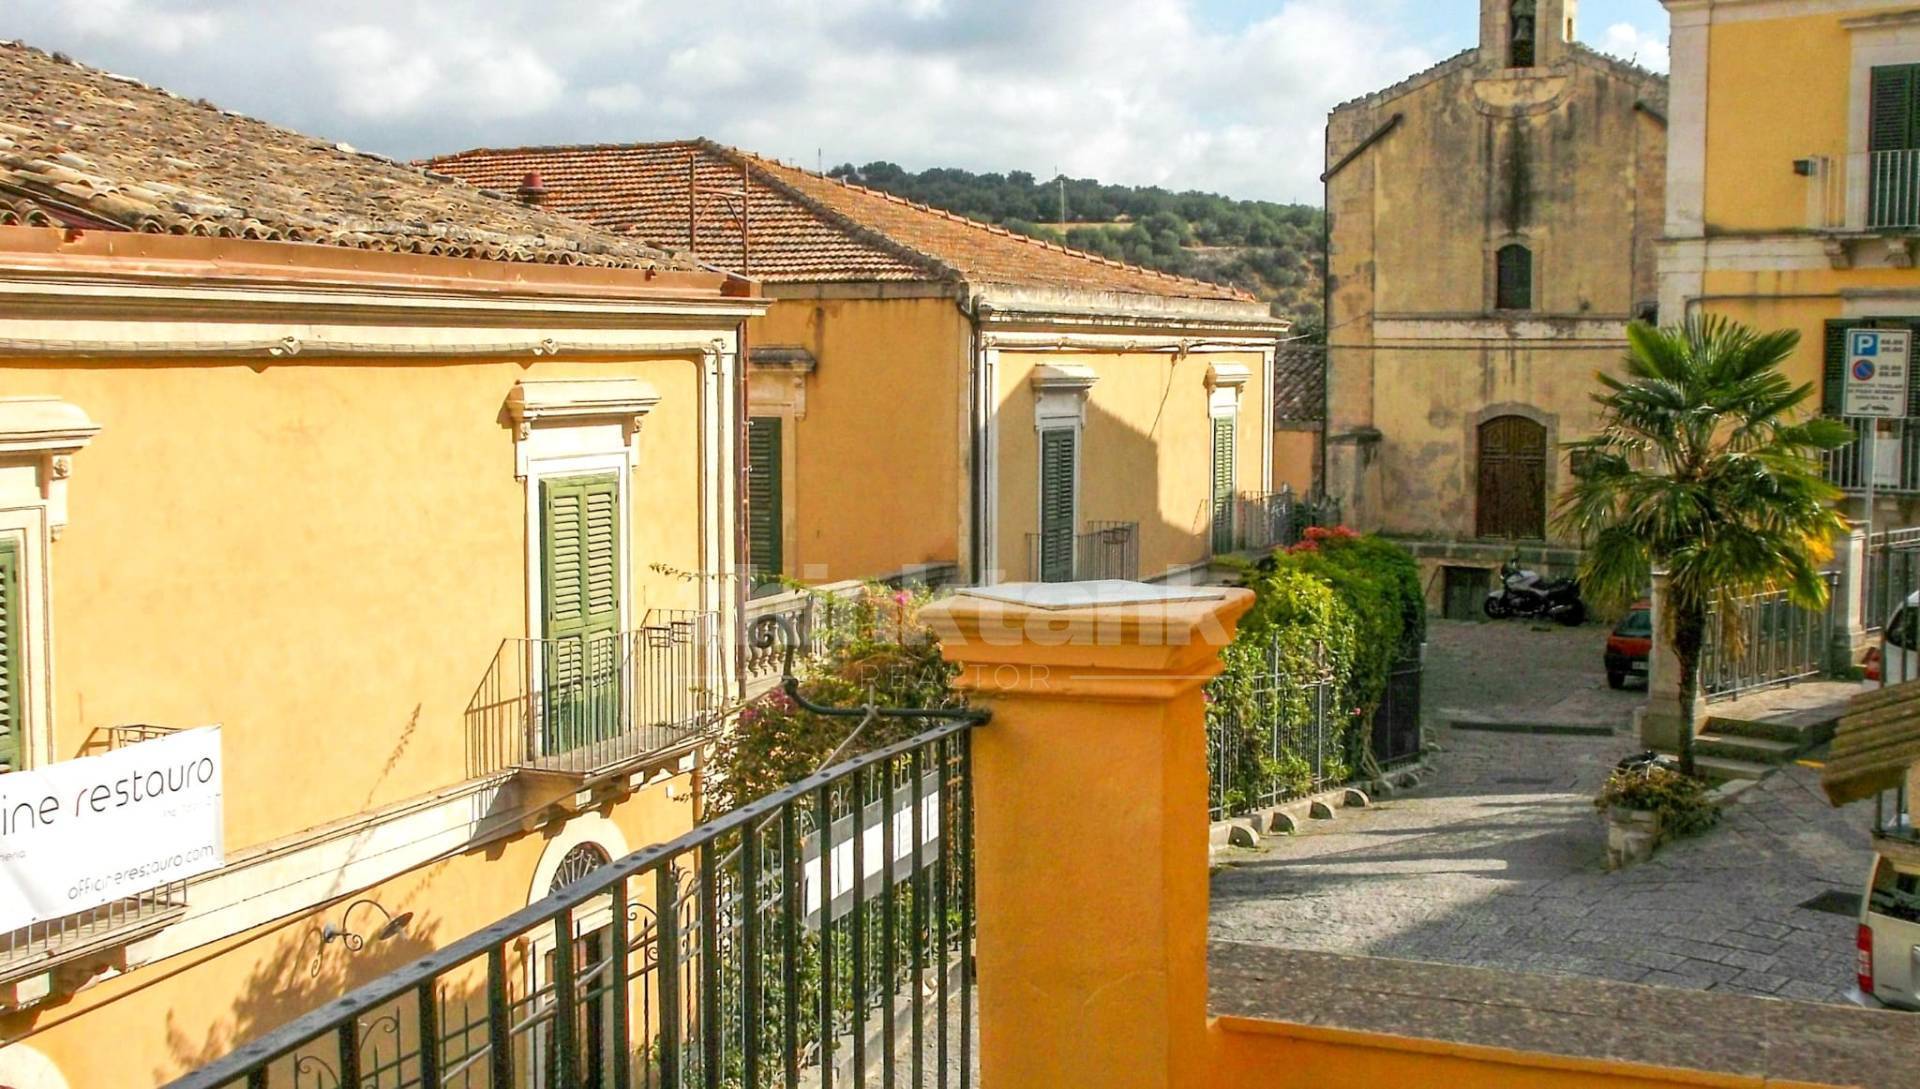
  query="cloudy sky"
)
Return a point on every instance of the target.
[{"x": 1223, "y": 95}]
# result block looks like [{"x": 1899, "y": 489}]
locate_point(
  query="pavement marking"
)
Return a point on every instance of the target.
[{"x": 1811, "y": 763}]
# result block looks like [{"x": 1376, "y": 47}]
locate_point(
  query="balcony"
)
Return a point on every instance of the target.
[
  {"x": 585, "y": 708},
  {"x": 1268, "y": 520},
  {"x": 1868, "y": 202},
  {"x": 80, "y": 945},
  {"x": 1107, "y": 550},
  {"x": 1896, "y": 457}
]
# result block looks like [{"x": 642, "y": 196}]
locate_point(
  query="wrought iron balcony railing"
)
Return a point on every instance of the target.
[
  {"x": 1895, "y": 452},
  {"x": 1269, "y": 520},
  {"x": 98, "y": 931},
  {"x": 1864, "y": 191},
  {"x": 587, "y": 704},
  {"x": 1107, "y": 550},
  {"x": 821, "y": 935}
]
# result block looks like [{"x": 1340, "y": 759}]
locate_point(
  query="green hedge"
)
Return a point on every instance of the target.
[{"x": 1338, "y": 605}]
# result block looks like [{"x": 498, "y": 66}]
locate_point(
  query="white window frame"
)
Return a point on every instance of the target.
[
  {"x": 569, "y": 428},
  {"x": 1879, "y": 40},
  {"x": 38, "y": 438},
  {"x": 1060, "y": 404}
]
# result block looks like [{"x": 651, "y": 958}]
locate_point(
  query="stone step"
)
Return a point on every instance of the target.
[
  {"x": 1803, "y": 730},
  {"x": 1759, "y": 750},
  {"x": 1720, "y": 769}
]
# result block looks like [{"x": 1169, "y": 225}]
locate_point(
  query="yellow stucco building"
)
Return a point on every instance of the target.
[
  {"x": 426, "y": 499},
  {"x": 1793, "y": 198},
  {"x": 928, "y": 392},
  {"x": 1493, "y": 227}
]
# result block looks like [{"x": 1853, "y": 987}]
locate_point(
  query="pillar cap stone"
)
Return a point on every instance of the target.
[{"x": 1110, "y": 639}]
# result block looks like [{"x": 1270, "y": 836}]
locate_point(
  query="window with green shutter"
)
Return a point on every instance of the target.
[
  {"x": 10, "y": 719},
  {"x": 1057, "y": 501},
  {"x": 1893, "y": 135},
  {"x": 764, "y": 482},
  {"x": 1223, "y": 428},
  {"x": 581, "y": 568}
]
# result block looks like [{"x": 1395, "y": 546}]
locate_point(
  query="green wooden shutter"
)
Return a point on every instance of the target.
[
  {"x": 1056, "y": 504},
  {"x": 764, "y": 483},
  {"x": 581, "y": 656},
  {"x": 1891, "y": 127},
  {"x": 1223, "y": 445},
  {"x": 9, "y": 655}
]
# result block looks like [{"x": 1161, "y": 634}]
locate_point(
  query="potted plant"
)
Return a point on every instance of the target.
[{"x": 1647, "y": 805}]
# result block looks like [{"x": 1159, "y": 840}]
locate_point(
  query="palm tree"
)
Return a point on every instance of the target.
[{"x": 1706, "y": 465}]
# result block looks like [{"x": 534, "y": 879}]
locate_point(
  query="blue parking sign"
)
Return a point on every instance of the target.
[{"x": 1865, "y": 342}]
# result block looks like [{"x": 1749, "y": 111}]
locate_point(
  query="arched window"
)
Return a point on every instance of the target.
[
  {"x": 1512, "y": 499},
  {"x": 1513, "y": 279},
  {"x": 1520, "y": 41},
  {"x": 577, "y": 863}
]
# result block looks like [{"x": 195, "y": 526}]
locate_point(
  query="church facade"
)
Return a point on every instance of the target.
[{"x": 1494, "y": 223}]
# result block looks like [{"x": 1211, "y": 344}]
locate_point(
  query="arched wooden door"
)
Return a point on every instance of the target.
[{"x": 1512, "y": 499}]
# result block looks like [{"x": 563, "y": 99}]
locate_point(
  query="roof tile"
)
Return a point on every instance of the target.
[
  {"x": 800, "y": 226},
  {"x": 82, "y": 147}
]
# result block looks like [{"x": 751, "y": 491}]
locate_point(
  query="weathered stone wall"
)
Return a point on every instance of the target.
[{"x": 1566, "y": 158}]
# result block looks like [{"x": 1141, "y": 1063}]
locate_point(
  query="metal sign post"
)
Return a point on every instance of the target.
[{"x": 1877, "y": 377}]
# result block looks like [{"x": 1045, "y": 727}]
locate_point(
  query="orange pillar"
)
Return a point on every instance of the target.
[{"x": 1090, "y": 789}]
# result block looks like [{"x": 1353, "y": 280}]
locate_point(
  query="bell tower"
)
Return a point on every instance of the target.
[{"x": 1522, "y": 34}]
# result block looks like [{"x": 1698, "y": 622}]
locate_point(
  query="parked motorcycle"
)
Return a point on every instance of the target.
[{"x": 1525, "y": 593}]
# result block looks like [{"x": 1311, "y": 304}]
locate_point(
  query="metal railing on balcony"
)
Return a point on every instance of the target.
[
  {"x": 1268, "y": 520},
  {"x": 1779, "y": 643},
  {"x": 39, "y": 946},
  {"x": 581, "y": 705},
  {"x": 1107, "y": 550},
  {"x": 821, "y": 935},
  {"x": 1896, "y": 455},
  {"x": 1864, "y": 191}
]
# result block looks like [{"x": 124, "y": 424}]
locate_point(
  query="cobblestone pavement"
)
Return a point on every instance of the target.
[{"x": 1500, "y": 859}]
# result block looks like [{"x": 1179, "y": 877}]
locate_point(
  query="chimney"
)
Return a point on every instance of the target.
[{"x": 532, "y": 190}]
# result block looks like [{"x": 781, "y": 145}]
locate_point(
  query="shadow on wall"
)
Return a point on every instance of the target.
[{"x": 296, "y": 971}]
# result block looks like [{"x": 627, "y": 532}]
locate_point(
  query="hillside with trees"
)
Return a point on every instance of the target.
[{"x": 1269, "y": 249}]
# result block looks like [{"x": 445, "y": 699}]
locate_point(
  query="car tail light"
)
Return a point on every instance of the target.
[
  {"x": 1872, "y": 664},
  {"x": 1865, "y": 943}
]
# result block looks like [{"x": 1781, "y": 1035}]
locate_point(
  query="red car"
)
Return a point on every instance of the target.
[{"x": 1629, "y": 645}]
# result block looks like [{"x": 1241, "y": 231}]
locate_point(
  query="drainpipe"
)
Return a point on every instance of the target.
[
  {"x": 741, "y": 535},
  {"x": 979, "y": 404}
]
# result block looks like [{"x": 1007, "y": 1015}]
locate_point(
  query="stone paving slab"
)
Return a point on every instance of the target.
[
  {"x": 1582, "y": 1018},
  {"x": 1499, "y": 860}
]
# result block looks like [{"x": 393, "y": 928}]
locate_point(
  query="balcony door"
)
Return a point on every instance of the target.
[
  {"x": 1059, "y": 476},
  {"x": 1512, "y": 499},
  {"x": 1893, "y": 145},
  {"x": 582, "y": 655}
]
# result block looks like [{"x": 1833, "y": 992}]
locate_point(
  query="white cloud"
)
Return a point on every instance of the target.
[
  {"x": 1133, "y": 91},
  {"x": 164, "y": 32},
  {"x": 377, "y": 75},
  {"x": 1631, "y": 43}
]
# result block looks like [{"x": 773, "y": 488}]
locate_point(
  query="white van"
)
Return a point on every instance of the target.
[
  {"x": 1902, "y": 659},
  {"x": 1889, "y": 936}
]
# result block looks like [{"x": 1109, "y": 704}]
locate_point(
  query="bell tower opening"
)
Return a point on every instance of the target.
[{"x": 1519, "y": 34}]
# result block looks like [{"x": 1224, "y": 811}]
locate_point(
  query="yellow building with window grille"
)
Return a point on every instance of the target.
[
  {"x": 1794, "y": 194},
  {"x": 936, "y": 395},
  {"x": 434, "y": 522}
]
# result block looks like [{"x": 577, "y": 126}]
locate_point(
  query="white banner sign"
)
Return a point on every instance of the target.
[
  {"x": 1877, "y": 373},
  {"x": 102, "y": 828}
]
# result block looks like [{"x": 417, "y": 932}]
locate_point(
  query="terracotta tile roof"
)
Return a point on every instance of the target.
[
  {"x": 1299, "y": 384},
  {"x": 83, "y": 147},
  {"x": 803, "y": 227}
]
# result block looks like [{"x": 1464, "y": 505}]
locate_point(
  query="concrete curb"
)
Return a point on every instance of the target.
[
  {"x": 1295, "y": 815},
  {"x": 1547, "y": 729}
]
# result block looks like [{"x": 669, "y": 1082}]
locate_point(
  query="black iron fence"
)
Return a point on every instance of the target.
[
  {"x": 1270, "y": 737},
  {"x": 583, "y": 703},
  {"x": 1270, "y": 520},
  {"x": 821, "y": 934},
  {"x": 1777, "y": 643},
  {"x": 1396, "y": 722},
  {"x": 1107, "y": 550}
]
